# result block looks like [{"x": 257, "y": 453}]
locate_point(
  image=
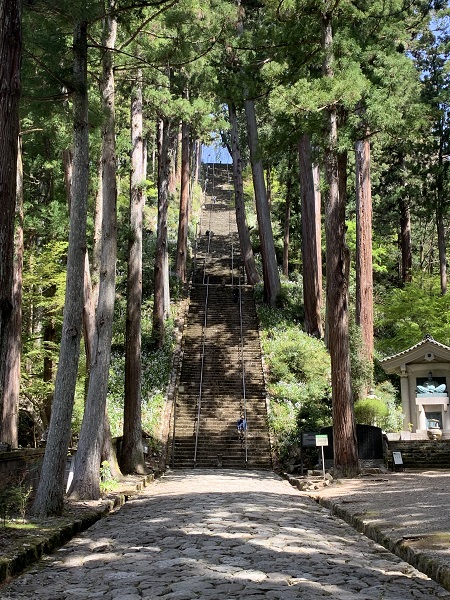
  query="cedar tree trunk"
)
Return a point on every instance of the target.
[
  {"x": 241, "y": 221},
  {"x": 405, "y": 241},
  {"x": 364, "y": 270},
  {"x": 86, "y": 484},
  {"x": 161, "y": 275},
  {"x": 10, "y": 415},
  {"x": 269, "y": 260},
  {"x": 10, "y": 84},
  {"x": 311, "y": 239},
  {"x": 183, "y": 222},
  {"x": 132, "y": 457},
  {"x": 50, "y": 492},
  {"x": 337, "y": 269}
]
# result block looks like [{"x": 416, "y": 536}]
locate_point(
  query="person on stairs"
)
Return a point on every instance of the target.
[{"x": 242, "y": 428}]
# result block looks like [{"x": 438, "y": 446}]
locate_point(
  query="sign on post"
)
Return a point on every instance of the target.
[
  {"x": 309, "y": 439},
  {"x": 322, "y": 440}
]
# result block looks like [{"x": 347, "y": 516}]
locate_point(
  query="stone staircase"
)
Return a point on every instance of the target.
[{"x": 221, "y": 352}]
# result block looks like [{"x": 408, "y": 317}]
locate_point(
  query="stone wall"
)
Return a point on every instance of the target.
[
  {"x": 421, "y": 454},
  {"x": 21, "y": 465}
]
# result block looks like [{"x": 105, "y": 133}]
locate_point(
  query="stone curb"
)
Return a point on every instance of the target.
[
  {"x": 422, "y": 561},
  {"x": 14, "y": 565}
]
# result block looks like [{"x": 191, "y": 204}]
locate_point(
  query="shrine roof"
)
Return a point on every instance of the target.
[{"x": 425, "y": 351}]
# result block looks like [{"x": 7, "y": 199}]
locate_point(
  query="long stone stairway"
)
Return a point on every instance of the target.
[{"x": 221, "y": 374}]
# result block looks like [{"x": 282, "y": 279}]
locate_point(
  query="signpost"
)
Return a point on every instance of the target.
[
  {"x": 315, "y": 440},
  {"x": 322, "y": 440}
]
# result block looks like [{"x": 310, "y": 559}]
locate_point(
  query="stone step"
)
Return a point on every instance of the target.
[{"x": 220, "y": 349}]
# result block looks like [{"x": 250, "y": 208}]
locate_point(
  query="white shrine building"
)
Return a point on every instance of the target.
[{"x": 424, "y": 371}]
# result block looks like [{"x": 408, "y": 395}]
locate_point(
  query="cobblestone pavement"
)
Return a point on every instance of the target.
[{"x": 218, "y": 534}]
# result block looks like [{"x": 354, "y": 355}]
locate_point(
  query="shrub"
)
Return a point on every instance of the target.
[
  {"x": 370, "y": 411},
  {"x": 298, "y": 369},
  {"x": 381, "y": 410}
]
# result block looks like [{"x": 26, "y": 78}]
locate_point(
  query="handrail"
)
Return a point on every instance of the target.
[
  {"x": 244, "y": 397},
  {"x": 232, "y": 264},
  {"x": 199, "y": 402},
  {"x": 194, "y": 266}
]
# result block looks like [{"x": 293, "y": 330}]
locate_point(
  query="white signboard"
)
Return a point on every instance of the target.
[
  {"x": 397, "y": 458},
  {"x": 321, "y": 440}
]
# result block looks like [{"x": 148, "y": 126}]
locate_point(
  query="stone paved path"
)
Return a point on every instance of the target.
[{"x": 218, "y": 534}]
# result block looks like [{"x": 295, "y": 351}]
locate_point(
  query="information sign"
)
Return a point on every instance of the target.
[
  {"x": 397, "y": 458},
  {"x": 309, "y": 439},
  {"x": 321, "y": 440}
]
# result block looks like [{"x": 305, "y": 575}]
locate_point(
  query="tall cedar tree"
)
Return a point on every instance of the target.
[
  {"x": 364, "y": 268},
  {"x": 271, "y": 276},
  {"x": 85, "y": 484},
  {"x": 183, "y": 222},
  {"x": 161, "y": 273},
  {"x": 9, "y": 419},
  {"x": 287, "y": 218},
  {"x": 311, "y": 239},
  {"x": 50, "y": 492},
  {"x": 405, "y": 240},
  {"x": 131, "y": 456},
  {"x": 244, "y": 237},
  {"x": 337, "y": 270},
  {"x": 10, "y": 60}
]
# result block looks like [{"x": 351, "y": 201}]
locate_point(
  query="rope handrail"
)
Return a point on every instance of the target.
[{"x": 202, "y": 362}]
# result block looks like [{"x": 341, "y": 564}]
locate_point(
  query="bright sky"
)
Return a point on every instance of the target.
[{"x": 216, "y": 153}]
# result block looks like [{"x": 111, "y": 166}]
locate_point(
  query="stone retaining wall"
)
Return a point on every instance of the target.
[
  {"x": 21, "y": 465},
  {"x": 421, "y": 454}
]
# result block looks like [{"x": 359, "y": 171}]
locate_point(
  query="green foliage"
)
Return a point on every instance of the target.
[
  {"x": 14, "y": 496},
  {"x": 361, "y": 368},
  {"x": 370, "y": 411},
  {"x": 298, "y": 368},
  {"x": 408, "y": 314},
  {"x": 381, "y": 409},
  {"x": 156, "y": 368},
  {"x": 107, "y": 481}
]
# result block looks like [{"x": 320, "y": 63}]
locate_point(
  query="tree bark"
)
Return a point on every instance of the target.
[
  {"x": 337, "y": 269},
  {"x": 174, "y": 175},
  {"x": 269, "y": 260},
  {"x": 10, "y": 414},
  {"x": 95, "y": 434},
  {"x": 442, "y": 251},
  {"x": 244, "y": 237},
  {"x": 287, "y": 226},
  {"x": 364, "y": 268},
  {"x": 132, "y": 457},
  {"x": 161, "y": 276},
  {"x": 311, "y": 239},
  {"x": 50, "y": 492},
  {"x": 269, "y": 186},
  {"x": 405, "y": 241},
  {"x": 10, "y": 87},
  {"x": 183, "y": 223},
  {"x": 48, "y": 340},
  {"x": 97, "y": 246}
]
